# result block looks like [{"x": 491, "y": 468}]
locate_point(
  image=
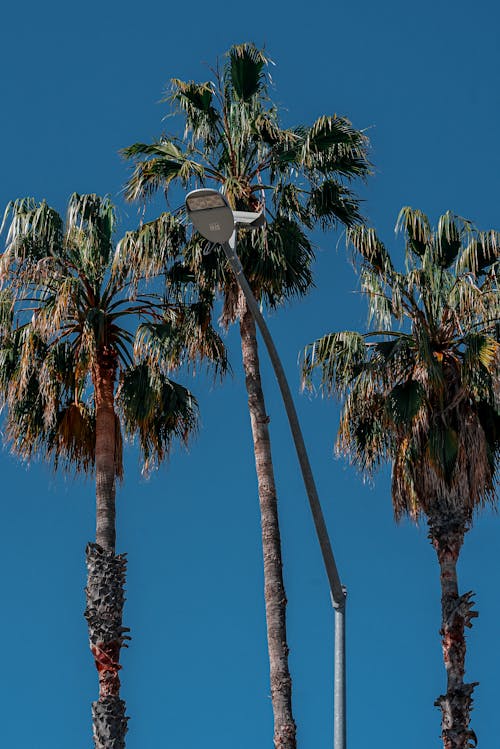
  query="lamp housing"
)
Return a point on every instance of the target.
[{"x": 210, "y": 214}]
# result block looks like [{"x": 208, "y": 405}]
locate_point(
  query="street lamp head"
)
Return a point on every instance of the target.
[{"x": 211, "y": 214}]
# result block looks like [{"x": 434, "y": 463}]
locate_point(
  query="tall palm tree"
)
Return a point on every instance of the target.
[
  {"x": 86, "y": 354},
  {"x": 423, "y": 394},
  {"x": 299, "y": 176}
]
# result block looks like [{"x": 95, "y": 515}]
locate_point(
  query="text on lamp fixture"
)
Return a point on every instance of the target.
[{"x": 203, "y": 203}]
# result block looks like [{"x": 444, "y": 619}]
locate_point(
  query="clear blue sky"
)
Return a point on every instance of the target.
[{"x": 80, "y": 81}]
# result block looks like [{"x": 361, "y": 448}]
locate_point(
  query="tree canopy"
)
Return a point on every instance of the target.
[
  {"x": 63, "y": 306},
  {"x": 420, "y": 389},
  {"x": 299, "y": 176}
]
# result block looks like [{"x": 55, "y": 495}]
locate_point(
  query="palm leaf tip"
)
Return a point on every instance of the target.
[
  {"x": 417, "y": 228},
  {"x": 331, "y": 204},
  {"x": 191, "y": 95},
  {"x": 450, "y": 232},
  {"x": 247, "y": 66},
  {"x": 482, "y": 252},
  {"x": 366, "y": 242}
]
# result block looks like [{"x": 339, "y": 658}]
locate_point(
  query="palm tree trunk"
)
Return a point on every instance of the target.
[
  {"x": 274, "y": 590},
  {"x": 106, "y": 571},
  {"x": 447, "y": 530}
]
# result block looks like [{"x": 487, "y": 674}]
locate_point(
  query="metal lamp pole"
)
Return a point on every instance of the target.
[{"x": 214, "y": 219}]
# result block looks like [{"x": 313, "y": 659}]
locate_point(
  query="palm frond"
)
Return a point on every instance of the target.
[
  {"x": 164, "y": 162},
  {"x": 246, "y": 71},
  {"x": 332, "y": 145},
  {"x": 184, "y": 336},
  {"x": 372, "y": 250},
  {"x": 339, "y": 356},
  {"x": 482, "y": 251},
  {"x": 331, "y": 204},
  {"x": 450, "y": 233},
  {"x": 149, "y": 250},
  {"x": 196, "y": 102},
  {"x": 90, "y": 226},
  {"x": 157, "y": 410},
  {"x": 35, "y": 231}
]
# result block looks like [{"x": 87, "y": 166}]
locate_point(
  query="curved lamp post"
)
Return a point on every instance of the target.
[{"x": 213, "y": 217}]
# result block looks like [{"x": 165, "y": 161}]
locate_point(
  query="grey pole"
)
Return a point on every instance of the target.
[
  {"x": 338, "y": 592},
  {"x": 339, "y": 698}
]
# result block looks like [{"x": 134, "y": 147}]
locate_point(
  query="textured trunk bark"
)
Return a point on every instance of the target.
[
  {"x": 447, "y": 532},
  {"x": 104, "y": 376},
  {"x": 275, "y": 598},
  {"x": 106, "y": 571}
]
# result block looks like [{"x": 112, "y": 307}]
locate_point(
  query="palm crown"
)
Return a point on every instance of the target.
[
  {"x": 422, "y": 395},
  {"x": 65, "y": 313},
  {"x": 298, "y": 176}
]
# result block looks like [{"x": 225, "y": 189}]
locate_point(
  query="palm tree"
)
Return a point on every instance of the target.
[
  {"x": 85, "y": 355},
  {"x": 423, "y": 395},
  {"x": 299, "y": 177}
]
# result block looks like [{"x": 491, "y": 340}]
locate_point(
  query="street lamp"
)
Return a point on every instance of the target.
[{"x": 214, "y": 219}]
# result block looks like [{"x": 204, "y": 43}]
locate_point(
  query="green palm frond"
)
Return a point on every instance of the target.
[
  {"x": 449, "y": 236},
  {"x": 89, "y": 232},
  {"x": 196, "y": 102},
  {"x": 332, "y": 145},
  {"x": 417, "y": 230},
  {"x": 288, "y": 202},
  {"x": 246, "y": 71},
  {"x": 404, "y": 401},
  {"x": 267, "y": 130},
  {"x": 382, "y": 305},
  {"x": 6, "y": 312},
  {"x": 370, "y": 248},
  {"x": 25, "y": 428},
  {"x": 362, "y": 434},
  {"x": 481, "y": 348},
  {"x": 331, "y": 204},
  {"x": 482, "y": 251},
  {"x": 480, "y": 364},
  {"x": 156, "y": 166},
  {"x": 194, "y": 96},
  {"x": 339, "y": 356},
  {"x": 278, "y": 260}
]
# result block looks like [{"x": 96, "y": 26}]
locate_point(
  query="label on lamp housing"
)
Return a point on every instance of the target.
[{"x": 205, "y": 202}]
